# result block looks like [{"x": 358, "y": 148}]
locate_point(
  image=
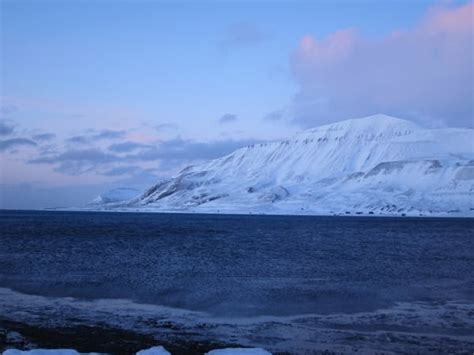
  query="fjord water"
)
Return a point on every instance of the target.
[{"x": 239, "y": 266}]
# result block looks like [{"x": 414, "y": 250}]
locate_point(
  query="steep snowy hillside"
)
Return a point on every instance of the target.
[{"x": 373, "y": 165}]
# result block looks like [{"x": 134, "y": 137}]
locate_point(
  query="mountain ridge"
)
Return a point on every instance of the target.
[{"x": 379, "y": 165}]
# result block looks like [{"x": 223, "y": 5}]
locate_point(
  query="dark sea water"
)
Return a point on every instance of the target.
[{"x": 247, "y": 267}]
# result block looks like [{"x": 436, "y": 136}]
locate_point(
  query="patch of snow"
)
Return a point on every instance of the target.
[
  {"x": 239, "y": 351},
  {"x": 156, "y": 350}
]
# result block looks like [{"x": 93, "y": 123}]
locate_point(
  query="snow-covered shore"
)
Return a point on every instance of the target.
[
  {"x": 156, "y": 350},
  {"x": 410, "y": 327}
]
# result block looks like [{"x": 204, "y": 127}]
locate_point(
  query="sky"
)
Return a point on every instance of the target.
[{"x": 101, "y": 94}]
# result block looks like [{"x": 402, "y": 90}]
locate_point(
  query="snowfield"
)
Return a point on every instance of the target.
[{"x": 378, "y": 165}]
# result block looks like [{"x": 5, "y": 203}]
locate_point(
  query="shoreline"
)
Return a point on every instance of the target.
[
  {"x": 95, "y": 338},
  {"x": 39, "y": 322},
  {"x": 236, "y": 213}
]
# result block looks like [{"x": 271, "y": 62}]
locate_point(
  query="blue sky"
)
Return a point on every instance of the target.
[{"x": 174, "y": 83}]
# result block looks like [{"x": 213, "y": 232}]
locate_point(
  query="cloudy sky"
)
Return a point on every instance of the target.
[{"x": 102, "y": 94}]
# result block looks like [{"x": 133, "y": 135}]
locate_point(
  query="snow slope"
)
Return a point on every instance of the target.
[{"x": 374, "y": 165}]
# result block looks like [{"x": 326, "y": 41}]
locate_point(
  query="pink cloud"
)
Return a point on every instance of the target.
[
  {"x": 425, "y": 72},
  {"x": 334, "y": 46},
  {"x": 442, "y": 19}
]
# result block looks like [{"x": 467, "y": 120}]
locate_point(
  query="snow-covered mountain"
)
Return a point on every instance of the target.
[
  {"x": 118, "y": 194},
  {"x": 373, "y": 165}
]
